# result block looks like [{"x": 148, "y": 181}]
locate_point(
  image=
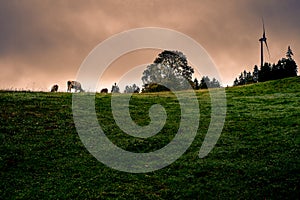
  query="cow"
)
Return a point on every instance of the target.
[
  {"x": 104, "y": 90},
  {"x": 74, "y": 84},
  {"x": 54, "y": 88}
]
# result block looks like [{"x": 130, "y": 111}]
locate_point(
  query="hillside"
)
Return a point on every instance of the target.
[{"x": 256, "y": 157}]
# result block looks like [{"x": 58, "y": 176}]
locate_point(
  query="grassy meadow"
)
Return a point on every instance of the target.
[{"x": 256, "y": 157}]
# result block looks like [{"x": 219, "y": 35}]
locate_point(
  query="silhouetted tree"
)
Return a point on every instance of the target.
[
  {"x": 170, "y": 68},
  {"x": 249, "y": 78},
  {"x": 277, "y": 72},
  {"x": 241, "y": 79},
  {"x": 177, "y": 61},
  {"x": 255, "y": 74},
  {"x": 203, "y": 82},
  {"x": 286, "y": 67},
  {"x": 207, "y": 83},
  {"x": 215, "y": 83},
  {"x": 289, "y": 66},
  {"x": 264, "y": 73},
  {"x": 236, "y": 82},
  {"x": 245, "y": 74},
  {"x": 196, "y": 84},
  {"x": 132, "y": 89},
  {"x": 289, "y": 53}
]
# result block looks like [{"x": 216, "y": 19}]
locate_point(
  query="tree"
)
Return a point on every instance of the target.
[
  {"x": 177, "y": 61},
  {"x": 277, "y": 71},
  {"x": 215, "y": 83},
  {"x": 170, "y": 69},
  {"x": 196, "y": 84},
  {"x": 245, "y": 75},
  {"x": 255, "y": 74},
  {"x": 236, "y": 82},
  {"x": 241, "y": 79},
  {"x": 286, "y": 67},
  {"x": 289, "y": 53},
  {"x": 264, "y": 73},
  {"x": 289, "y": 64},
  {"x": 204, "y": 82},
  {"x": 132, "y": 89},
  {"x": 244, "y": 78},
  {"x": 115, "y": 88},
  {"x": 248, "y": 78},
  {"x": 207, "y": 83}
]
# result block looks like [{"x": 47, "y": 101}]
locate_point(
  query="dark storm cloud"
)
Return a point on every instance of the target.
[{"x": 47, "y": 40}]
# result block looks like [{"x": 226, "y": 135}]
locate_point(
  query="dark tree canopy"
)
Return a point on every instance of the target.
[
  {"x": 132, "y": 89},
  {"x": 177, "y": 61},
  {"x": 255, "y": 74},
  {"x": 207, "y": 83},
  {"x": 264, "y": 73},
  {"x": 170, "y": 69},
  {"x": 286, "y": 67},
  {"x": 196, "y": 84}
]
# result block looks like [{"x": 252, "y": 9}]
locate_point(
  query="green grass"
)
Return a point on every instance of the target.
[{"x": 256, "y": 157}]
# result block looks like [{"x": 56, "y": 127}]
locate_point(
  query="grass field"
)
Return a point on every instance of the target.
[{"x": 256, "y": 157}]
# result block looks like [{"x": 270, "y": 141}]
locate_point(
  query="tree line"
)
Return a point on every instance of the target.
[
  {"x": 170, "y": 71},
  {"x": 285, "y": 67}
]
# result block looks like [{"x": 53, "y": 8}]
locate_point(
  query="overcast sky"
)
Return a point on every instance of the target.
[{"x": 43, "y": 42}]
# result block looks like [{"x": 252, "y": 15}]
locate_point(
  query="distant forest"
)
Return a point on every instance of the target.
[{"x": 286, "y": 67}]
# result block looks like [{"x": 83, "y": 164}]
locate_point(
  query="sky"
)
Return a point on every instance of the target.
[{"x": 45, "y": 42}]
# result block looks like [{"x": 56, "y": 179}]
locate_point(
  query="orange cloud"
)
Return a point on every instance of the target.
[{"x": 44, "y": 42}]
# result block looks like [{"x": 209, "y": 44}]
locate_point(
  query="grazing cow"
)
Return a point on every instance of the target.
[
  {"x": 54, "y": 88},
  {"x": 104, "y": 90},
  {"x": 74, "y": 84}
]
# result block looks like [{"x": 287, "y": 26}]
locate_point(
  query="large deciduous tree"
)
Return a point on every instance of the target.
[{"x": 169, "y": 69}]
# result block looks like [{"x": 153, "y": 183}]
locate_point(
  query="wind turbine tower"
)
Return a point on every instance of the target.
[{"x": 263, "y": 40}]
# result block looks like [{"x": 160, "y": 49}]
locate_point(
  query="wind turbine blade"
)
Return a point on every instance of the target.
[
  {"x": 263, "y": 23},
  {"x": 267, "y": 48}
]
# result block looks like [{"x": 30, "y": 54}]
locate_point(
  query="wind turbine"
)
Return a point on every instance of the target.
[{"x": 263, "y": 40}]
